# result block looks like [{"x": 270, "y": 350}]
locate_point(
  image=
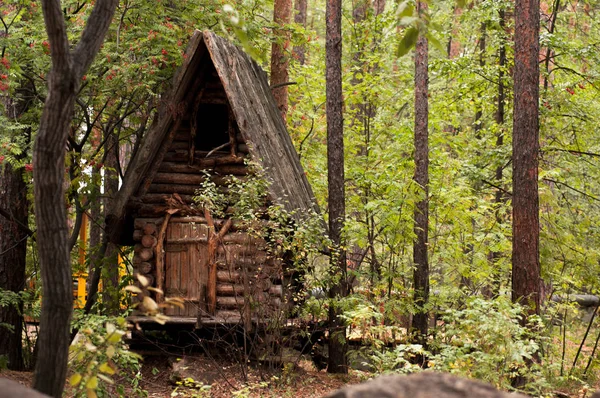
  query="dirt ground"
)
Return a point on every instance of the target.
[{"x": 226, "y": 379}]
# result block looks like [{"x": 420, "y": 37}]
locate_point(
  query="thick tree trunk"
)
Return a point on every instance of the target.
[
  {"x": 13, "y": 250},
  {"x": 421, "y": 214},
  {"x": 335, "y": 179},
  {"x": 525, "y": 200},
  {"x": 14, "y": 231},
  {"x": 282, "y": 13},
  {"x": 68, "y": 67},
  {"x": 301, "y": 7}
]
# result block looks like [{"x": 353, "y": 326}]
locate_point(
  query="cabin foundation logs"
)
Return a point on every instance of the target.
[{"x": 246, "y": 279}]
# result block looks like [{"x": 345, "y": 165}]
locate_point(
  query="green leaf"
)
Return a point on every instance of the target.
[
  {"x": 408, "y": 41},
  {"x": 435, "y": 42},
  {"x": 405, "y": 9}
]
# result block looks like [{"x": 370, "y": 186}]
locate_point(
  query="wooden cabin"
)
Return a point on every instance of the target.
[{"x": 218, "y": 113}]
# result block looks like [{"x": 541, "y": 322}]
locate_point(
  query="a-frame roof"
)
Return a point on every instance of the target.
[{"x": 255, "y": 112}]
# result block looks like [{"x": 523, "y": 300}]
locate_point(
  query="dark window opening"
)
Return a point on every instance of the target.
[{"x": 213, "y": 127}]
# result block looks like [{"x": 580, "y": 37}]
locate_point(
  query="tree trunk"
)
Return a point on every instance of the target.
[
  {"x": 301, "y": 7},
  {"x": 491, "y": 290},
  {"x": 14, "y": 231},
  {"x": 421, "y": 214},
  {"x": 13, "y": 250},
  {"x": 335, "y": 180},
  {"x": 525, "y": 200},
  {"x": 282, "y": 13},
  {"x": 68, "y": 68},
  {"x": 110, "y": 280}
]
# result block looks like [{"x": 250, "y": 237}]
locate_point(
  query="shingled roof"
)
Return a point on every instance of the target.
[{"x": 255, "y": 112}]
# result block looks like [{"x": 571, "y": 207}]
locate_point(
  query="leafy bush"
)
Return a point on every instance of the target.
[
  {"x": 485, "y": 340},
  {"x": 100, "y": 355}
]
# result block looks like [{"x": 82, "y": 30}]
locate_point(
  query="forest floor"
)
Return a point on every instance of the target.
[{"x": 226, "y": 379}]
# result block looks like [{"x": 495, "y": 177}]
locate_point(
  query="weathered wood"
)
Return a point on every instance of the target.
[
  {"x": 178, "y": 178},
  {"x": 146, "y": 254},
  {"x": 162, "y": 198},
  {"x": 200, "y": 159},
  {"x": 140, "y": 223},
  {"x": 243, "y": 238},
  {"x": 149, "y": 210},
  {"x": 228, "y": 276},
  {"x": 144, "y": 268},
  {"x": 214, "y": 238},
  {"x": 261, "y": 124},
  {"x": 276, "y": 290},
  {"x": 149, "y": 241},
  {"x": 230, "y": 301},
  {"x": 149, "y": 228},
  {"x": 229, "y": 289},
  {"x": 243, "y": 148},
  {"x": 160, "y": 256},
  {"x": 173, "y": 188},
  {"x": 137, "y": 235},
  {"x": 198, "y": 239}
]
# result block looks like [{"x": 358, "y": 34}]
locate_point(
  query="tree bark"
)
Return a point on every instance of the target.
[
  {"x": 13, "y": 250},
  {"x": 421, "y": 177},
  {"x": 301, "y": 7},
  {"x": 14, "y": 231},
  {"x": 282, "y": 13},
  {"x": 335, "y": 180},
  {"x": 68, "y": 68},
  {"x": 525, "y": 199},
  {"x": 110, "y": 280}
]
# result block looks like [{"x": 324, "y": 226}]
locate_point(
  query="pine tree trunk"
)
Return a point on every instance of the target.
[
  {"x": 421, "y": 214},
  {"x": 525, "y": 199},
  {"x": 13, "y": 250},
  {"x": 301, "y": 7},
  {"x": 335, "y": 179},
  {"x": 282, "y": 13},
  {"x": 110, "y": 280}
]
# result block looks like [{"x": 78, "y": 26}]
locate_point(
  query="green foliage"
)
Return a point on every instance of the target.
[
  {"x": 486, "y": 341},
  {"x": 191, "y": 388},
  {"x": 100, "y": 362}
]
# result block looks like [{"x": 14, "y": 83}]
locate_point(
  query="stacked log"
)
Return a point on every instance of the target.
[{"x": 145, "y": 236}]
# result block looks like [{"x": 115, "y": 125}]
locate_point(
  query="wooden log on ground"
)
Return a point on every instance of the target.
[
  {"x": 148, "y": 241},
  {"x": 137, "y": 235},
  {"x": 237, "y": 250}
]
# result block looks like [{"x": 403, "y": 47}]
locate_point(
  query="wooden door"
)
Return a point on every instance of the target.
[{"x": 186, "y": 266}]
